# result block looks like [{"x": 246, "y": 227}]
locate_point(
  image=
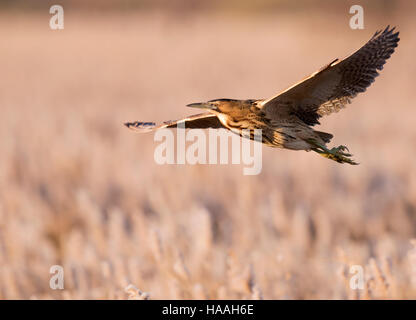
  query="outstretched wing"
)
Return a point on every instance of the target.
[
  {"x": 197, "y": 121},
  {"x": 330, "y": 89}
]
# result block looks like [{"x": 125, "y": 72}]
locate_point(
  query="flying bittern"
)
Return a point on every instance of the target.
[{"x": 286, "y": 119}]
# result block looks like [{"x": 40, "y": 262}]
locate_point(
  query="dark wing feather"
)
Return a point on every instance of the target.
[
  {"x": 197, "y": 121},
  {"x": 331, "y": 88}
]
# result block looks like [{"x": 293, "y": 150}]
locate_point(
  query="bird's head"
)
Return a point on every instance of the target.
[{"x": 218, "y": 105}]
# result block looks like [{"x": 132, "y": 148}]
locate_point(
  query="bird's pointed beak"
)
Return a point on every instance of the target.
[{"x": 202, "y": 105}]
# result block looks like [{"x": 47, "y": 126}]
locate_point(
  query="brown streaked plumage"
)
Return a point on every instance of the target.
[{"x": 286, "y": 119}]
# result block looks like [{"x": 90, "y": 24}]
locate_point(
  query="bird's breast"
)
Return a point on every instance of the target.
[{"x": 223, "y": 119}]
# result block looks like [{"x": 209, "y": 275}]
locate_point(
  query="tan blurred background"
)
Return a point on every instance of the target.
[{"x": 78, "y": 189}]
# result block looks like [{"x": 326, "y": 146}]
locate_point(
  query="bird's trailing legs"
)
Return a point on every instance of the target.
[{"x": 337, "y": 153}]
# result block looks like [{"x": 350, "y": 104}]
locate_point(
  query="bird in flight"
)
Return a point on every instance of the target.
[{"x": 286, "y": 119}]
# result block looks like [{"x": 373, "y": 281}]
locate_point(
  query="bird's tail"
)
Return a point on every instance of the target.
[{"x": 326, "y": 137}]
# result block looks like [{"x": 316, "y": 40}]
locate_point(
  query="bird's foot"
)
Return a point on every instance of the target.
[
  {"x": 340, "y": 150},
  {"x": 337, "y": 154}
]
